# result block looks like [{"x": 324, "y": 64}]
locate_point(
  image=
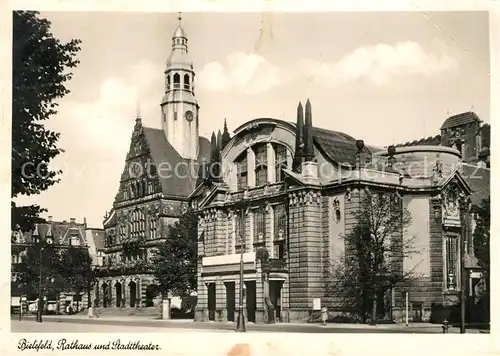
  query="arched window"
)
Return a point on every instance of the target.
[
  {"x": 242, "y": 171},
  {"x": 186, "y": 81},
  {"x": 168, "y": 82},
  {"x": 281, "y": 160},
  {"x": 260, "y": 163},
  {"x": 177, "y": 81}
]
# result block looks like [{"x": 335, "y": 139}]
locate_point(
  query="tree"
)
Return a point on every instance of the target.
[
  {"x": 33, "y": 261},
  {"x": 174, "y": 264},
  {"x": 481, "y": 240},
  {"x": 39, "y": 73},
  {"x": 75, "y": 267},
  {"x": 481, "y": 235},
  {"x": 372, "y": 263}
]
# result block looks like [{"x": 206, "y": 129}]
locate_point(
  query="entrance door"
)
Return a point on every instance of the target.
[
  {"x": 151, "y": 293},
  {"x": 133, "y": 293},
  {"x": 275, "y": 296},
  {"x": 118, "y": 291},
  {"x": 211, "y": 301},
  {"x": 251, "y": 300},
  {"x": 417, "y": 312},
  {"x": 230, "y": 300}
]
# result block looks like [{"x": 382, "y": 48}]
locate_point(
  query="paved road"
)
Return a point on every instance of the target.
[
  {"x": 30, "y": 326},
  {"x": 69, "y": 324}
]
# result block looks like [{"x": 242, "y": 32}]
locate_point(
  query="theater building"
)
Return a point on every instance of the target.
[{"x": 288, "y": 191}]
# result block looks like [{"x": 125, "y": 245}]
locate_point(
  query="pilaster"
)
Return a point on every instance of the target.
[
  {"x": 251, "y": 167},
  {"x": 271, "y": 163}
]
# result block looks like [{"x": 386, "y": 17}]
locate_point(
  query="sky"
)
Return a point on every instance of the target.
[{"x": 383, "y": 77}]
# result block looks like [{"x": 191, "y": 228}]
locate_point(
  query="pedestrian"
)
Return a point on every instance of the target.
[{"x": 324, "y": 315}]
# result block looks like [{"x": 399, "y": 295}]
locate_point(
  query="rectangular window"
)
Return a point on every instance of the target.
[
  {"x": 240, "y": 237},
  {"x": 451, "y": 261},
  {"x": 280, "y": 230},
  {"x": 152, "y": 227},
  {"x": 260, "y": 164},
  {"x": 279, "y": 249},
  {"x": 280, "y": 221},
  {"x": 259, "y": 222},
  {"x": 281, "y": 161},
  {"x": 242, "y": 171}
]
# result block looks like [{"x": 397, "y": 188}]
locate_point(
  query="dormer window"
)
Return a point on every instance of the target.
[
  {"x": 74, "y": 241},
  {"x": 260, "y": 164}
]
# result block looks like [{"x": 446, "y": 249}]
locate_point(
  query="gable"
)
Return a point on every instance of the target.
[{"x": 152, "y": 165}]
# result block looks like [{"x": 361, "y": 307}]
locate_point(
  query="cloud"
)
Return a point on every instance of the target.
[
  {"x": 379, "y": 64},
  {"x": 382, "y": 63},
  {"x": 247, "y": 72},
  {"x": 108, "y": 120}
]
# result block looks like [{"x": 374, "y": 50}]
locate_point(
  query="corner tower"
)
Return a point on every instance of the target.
[{"x": 179, "y": 107}]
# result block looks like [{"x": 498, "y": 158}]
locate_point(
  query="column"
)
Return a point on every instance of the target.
[
  {"x": 250, "y": 239},
  {"x": 220, "y": 300},
  {"x": 260, "y": 316},
  {"x": 270, "y": 230},
  {"x": 138, "y": 292},
  {"x": 271, "y": 163},
  {"x": 251, "y": 167},
  {"x": 113, "y": 293}
]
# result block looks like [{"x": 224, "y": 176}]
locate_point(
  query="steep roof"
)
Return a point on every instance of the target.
[
  {"x": 60, "y": 232},
  {"x": 183, "y": 182},
  {"x": 460, "y": 119},
  {"x": 427, "y": 141},
  {"x": 479, "y": 181},
  {"x": 96, "y": 237},
  {"x": 338, "y": 146}
]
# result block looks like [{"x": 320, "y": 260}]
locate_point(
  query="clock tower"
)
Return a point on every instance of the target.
[{"x": 179, "y": 107}]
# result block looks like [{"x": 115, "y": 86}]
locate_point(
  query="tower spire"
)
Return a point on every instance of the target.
[
  {"x": 138, "y": 117},
  {"x": 299, "y": 139},
  {"x": 308, "y": 134}
]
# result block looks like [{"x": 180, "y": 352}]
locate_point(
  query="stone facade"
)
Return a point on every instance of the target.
[{"x": 320, "y": 203}]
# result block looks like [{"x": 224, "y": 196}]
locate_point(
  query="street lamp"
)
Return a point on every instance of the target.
[
  {"x": 240, "y": 323},
  {"x": 40, "y": 245}
]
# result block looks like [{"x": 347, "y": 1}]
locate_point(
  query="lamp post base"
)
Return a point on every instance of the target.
[{"x": 240, "y": 322}]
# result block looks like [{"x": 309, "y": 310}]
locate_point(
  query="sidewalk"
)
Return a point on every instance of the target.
[{"x": 422, "y": 327}]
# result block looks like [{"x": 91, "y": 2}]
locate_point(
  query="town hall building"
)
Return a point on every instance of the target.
[{"x": 283, "y": 197}]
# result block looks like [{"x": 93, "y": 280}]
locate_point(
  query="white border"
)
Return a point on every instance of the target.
[{"x": 269, "y": 343}]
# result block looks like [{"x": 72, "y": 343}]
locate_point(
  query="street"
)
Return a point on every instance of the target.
[
  {"x": 73, "y": 324},
  {"x": 49, "y": 326}
]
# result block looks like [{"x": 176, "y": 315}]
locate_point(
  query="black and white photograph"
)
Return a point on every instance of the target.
[{"x": 249, "y": 172}]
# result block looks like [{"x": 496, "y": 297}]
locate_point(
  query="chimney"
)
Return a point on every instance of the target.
[
  {"x": 299, "y": 140},
  {"x": 361, "y": 155},
  {"x": 49, "y": 218},
  {"x": 85, "y": 222},
  {"x": 72, "y": 221}
]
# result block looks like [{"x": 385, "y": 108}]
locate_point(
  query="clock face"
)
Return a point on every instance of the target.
[{"x": 189, "y": 116}]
